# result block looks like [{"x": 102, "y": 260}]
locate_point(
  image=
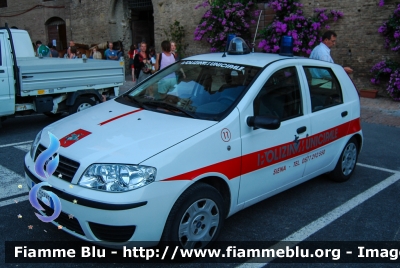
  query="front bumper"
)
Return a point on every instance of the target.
[{"x": 95, "y": 216}]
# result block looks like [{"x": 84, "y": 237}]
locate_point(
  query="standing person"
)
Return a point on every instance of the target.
[
  {"x": 132, "y": 53},
  {"x": 153, "y": 59},
  {"x": 323, "y": 51},
  {"x": 142, "y": 63},
  {"x": 54, "y": 52},
  {"x": 110, "y": 53},
  {"x": 71, "y": 44},
  {"x": 173, "y": 50},
  {"x": 164, "y": 59},
  {"x": 42, "y": 49},
  {"x": 94, "y": 54},
  {"x": 73, "y": 53}
]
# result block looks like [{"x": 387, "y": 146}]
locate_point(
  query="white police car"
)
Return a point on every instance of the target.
[{"x": 197, "y": 142}]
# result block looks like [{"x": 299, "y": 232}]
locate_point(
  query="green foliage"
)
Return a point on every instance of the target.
[{"x": 176, "y": 33}]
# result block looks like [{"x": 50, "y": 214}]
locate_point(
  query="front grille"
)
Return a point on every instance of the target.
[
  {"x": 112, "y": 233},
  {"x": 66, "y": 221},
  {"x": 66, "y": 167}
]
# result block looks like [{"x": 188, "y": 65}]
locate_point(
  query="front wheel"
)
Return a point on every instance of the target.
[
  {"x": 196, "y": 218},
  {"x": 81, "y": 104},
  {"x": 347, "y": 162}
]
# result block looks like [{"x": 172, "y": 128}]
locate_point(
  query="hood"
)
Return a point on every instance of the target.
[{"x": 112, "y": 132}]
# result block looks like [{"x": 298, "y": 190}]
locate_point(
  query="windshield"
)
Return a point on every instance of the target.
[{"x": 199, "y": 89}]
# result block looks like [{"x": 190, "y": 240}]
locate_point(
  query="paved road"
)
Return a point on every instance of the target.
[{"x": 362, "y": 209}]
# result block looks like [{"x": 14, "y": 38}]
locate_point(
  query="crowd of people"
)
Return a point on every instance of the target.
[{"x": 143, "y": 61}]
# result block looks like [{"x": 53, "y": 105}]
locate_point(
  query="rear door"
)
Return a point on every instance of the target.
[
  {"x": 272, "y": 158},
  {"x": 7, "y": 104},
  {"x": 330, "y": 117}
]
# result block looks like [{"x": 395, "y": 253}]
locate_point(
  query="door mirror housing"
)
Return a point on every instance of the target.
[{"x": 264, "y": 122}]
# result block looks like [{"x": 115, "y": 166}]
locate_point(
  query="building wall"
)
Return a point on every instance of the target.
[
  {"x": 34, "y": 20},
  {"x": 166, "y": 12}
]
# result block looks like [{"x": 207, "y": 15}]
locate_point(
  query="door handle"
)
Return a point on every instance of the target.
[
  {"x": 2, "y": 71},
  {"x": 301, "y": 130},
  {"x": 345, "y": 113},
  {"x": 27, "y": 76}
]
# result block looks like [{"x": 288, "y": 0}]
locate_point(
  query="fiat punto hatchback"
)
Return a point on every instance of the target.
[{"x": 195, "y": 143}]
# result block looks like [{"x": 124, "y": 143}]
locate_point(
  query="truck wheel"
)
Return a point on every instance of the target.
[
  {"x": 196, "y": 218},
  {"x": 346, "y": 163},
  {"x": 81, "y": 104}
]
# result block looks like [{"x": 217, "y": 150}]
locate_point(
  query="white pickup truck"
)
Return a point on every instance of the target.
[{"x": 50, "y": 85}]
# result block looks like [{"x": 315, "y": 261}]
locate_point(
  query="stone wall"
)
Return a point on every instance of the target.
[
  {"x": 98, "y": 21},
  {"x": 167, "y": 11},
  {"x": 17, "y": 14}
]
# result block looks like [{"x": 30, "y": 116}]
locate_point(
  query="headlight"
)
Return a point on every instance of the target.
[
  {"x": 35, "y": 144},
  {"x": 117, "y": 177}
]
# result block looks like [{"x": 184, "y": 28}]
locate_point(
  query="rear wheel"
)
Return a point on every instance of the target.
[
  {"x": 196, "y": 218},
  {"x": 347, "y": 162},
  {"x": 81, "y": 104}
]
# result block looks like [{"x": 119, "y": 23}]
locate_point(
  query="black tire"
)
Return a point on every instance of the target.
[
  {"x": 346, "y": 163},
  {"x": 80, "y": 104},
  {"x": 203, "y": 225}
]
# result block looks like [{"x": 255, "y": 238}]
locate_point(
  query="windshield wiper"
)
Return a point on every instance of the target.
[
  {"x": 170, "y": 107},
  {"x": 138, "y": 103}
]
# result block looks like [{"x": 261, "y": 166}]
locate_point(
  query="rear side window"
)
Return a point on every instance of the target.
[
  {"x": 324, "y": 88},
  {"x": 280, "y": 96}
]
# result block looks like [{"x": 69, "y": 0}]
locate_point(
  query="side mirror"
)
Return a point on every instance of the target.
[{"x": 264, "y": 122}]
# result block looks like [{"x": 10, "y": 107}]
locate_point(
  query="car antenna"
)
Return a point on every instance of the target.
[{"x": 255, "y": 35}]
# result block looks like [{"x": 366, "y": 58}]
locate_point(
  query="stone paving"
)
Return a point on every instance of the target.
[{"x": 380, "y": 110}]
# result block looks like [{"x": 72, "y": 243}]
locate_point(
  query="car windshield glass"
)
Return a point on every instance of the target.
[{"x": 198, "y": 89}]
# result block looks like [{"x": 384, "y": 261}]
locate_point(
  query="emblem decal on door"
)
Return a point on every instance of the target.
[{"x": 225, "y": 135}]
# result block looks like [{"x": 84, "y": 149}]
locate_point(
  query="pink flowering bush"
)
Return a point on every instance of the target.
[
  {"x": 389, "y": 69},
  {"x": 391, "y": 30},
  {"x": 291, "y": 21},
  {"x": 222, "y": 18},
  {"x": 393, "y": 88},
  {"x": 382, "y": 70}
]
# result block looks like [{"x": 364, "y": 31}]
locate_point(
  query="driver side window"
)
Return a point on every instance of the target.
[{"x": 280, "y": 96}]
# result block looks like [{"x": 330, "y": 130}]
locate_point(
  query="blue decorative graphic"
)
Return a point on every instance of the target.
[
  {"x": 54, "y": 198},
  {"x": 45, "y": 165},
  {"x": 46, "y": 159}
]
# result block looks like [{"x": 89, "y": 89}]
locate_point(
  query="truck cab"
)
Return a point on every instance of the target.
[{"x": 51, "y": 85}]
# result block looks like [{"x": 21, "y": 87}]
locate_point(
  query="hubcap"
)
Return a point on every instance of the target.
[
  {"x": 83, "y": 106},
  {"x": 349, "y": 158},
  {"x": 199, "y": 224}
]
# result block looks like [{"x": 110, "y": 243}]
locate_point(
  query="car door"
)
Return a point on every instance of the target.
[
  {"x": 329, "y": 116},
  {"x": 272, "y": 158},
  {"x": 6, "y": 93}
]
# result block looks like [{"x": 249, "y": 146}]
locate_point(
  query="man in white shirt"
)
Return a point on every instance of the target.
[{"x": 323, "y": 52}]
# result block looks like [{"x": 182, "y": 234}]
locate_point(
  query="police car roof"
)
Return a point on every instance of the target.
[
  {"x": 254, "y": 59},
  {"x": 257, "y": 59}
]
